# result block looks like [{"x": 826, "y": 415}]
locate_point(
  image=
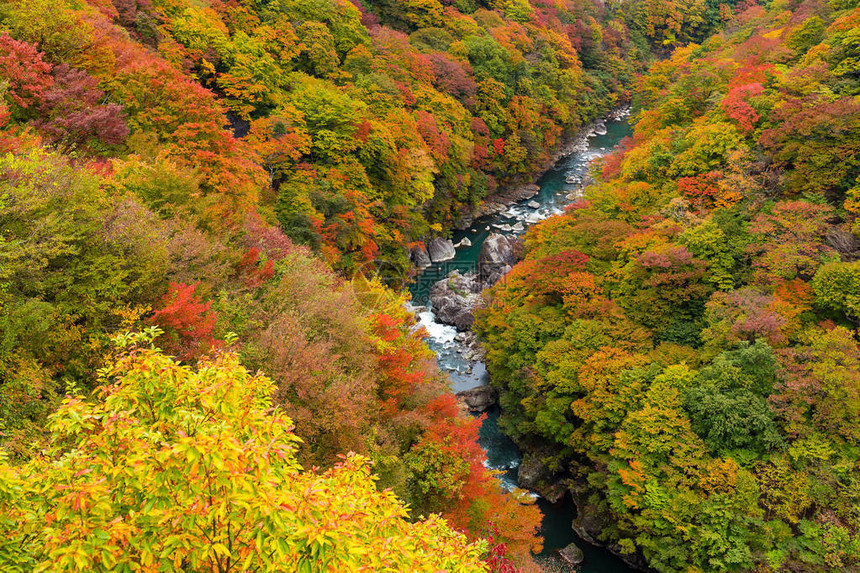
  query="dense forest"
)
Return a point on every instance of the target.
[
  {"x": 216, "y": 171},
  {"x": 197, "y": 374},
  {"x": 679, "y": 349}
]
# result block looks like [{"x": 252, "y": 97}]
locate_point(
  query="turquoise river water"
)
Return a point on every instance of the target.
[{"x": 555, "y": 187}]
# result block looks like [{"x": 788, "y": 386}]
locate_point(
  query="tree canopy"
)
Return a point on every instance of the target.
[
  {"x": 696, "y": 377},
  {"x": 196, "y": 470}
]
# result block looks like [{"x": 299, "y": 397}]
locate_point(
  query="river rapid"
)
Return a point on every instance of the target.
[{"x": 558, "y": 188}]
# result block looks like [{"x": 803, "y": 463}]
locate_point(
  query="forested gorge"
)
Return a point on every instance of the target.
[
  {"x": 199, "y": 168},
  {"x": 197, "y": 375},
  {"x": 679, "y": 349}
]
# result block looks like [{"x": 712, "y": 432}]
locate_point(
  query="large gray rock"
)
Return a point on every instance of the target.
[
  {"x": 496, "y": 258},
  {"x": 455, "y": 299},
  {"x": 523, "y": 192},
  {"x": 572, "y": 554},
  {"x": 490, "y": 207},
  {"x": 420, "y": 258},
  {"x": 533, "y": 473},
  {"x": 441, "y": 250},
  {"x": 593, "y": 521},
  {"x": 500, "y": 201},
  {"x": 498, "y": 249},
  {"x": 479, "y": 399}
]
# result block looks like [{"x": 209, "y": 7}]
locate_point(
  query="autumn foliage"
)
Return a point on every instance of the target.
[
  {"x": 204, "y": 439},
  {"x": 25, "y": 73},
  {"x": 681, "y": 342},
  {"x": 187, "y": 319},
  {"x": 695, "y": 378}
]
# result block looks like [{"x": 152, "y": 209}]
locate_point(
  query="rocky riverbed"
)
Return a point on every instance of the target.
[
  {"x": 456, "y": 297},
  {"x": 448, "y": 291}
]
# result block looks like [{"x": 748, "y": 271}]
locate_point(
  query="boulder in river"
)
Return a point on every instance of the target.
[
  {"x": 420, "y": 258},
  {"x": 534, "y": 473},
  {"x": 572, "y": 554},
  {"x": 465, "y": 338},
  {"x": 455, "y": 299},
  {"x": 497, "y": 249},
  {"x": 490, "y": 207},
  {"x": 479, "y": 399},
  {"x": 441, "y": 250},
  {"x": 526, "y": 191},
  {"x": 534, "y": 204},
  {"x": 495, "y": 259},
  {"x": 464, "y": 243}
]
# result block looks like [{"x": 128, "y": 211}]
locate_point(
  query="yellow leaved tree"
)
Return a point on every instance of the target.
[{"x": 178, "y": 469}]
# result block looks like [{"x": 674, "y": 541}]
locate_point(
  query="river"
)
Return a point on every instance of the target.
[{"x": 502, "y": 453}]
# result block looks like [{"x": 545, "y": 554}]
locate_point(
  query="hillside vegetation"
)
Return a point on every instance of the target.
[
  {"x": 361, "y": 127},
  {"x": 680, "y": 348},
  {"x": 223, "y": 171},
  {"x": 172, "y": 469},
  {"x": 201, "y": 166}
]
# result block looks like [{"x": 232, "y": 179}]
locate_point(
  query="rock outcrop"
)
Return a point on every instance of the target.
[
  {"x": 455, "y": 299},
  {"x": 420, "y": 258},
  {"x": 496, "y": 258},
  {"x": 441, "y": 250},
  {"x": 500, "y": 201},
  {"x": 572, "y": 554},
  {"x": 479, "y": 399},
  {"x": 464, "y": 219},
  {"x": 589, "y": 520},
  {"x": 532, "y": 471},
  {"x": 470, "y": 348},
  {"x": 497, "y": 249},
  {"x": 534, "y": 475}
]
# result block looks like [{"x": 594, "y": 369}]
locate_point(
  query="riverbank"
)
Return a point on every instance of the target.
[
  {"x": 526, "y": 190},
  {"x": 453, "y": 350}
]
